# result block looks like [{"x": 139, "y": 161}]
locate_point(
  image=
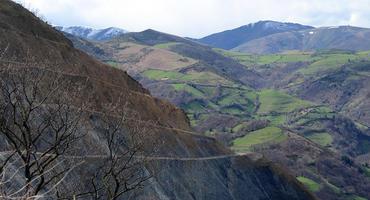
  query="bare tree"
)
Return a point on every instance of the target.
[
  {"x": 129, "y": 143},
  {"x": 40, "y": 120},
  {"x": 39, "y": 124}
]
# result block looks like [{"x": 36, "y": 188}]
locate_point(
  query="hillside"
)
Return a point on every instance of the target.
[
  {"x": 342, "y": 37},
  {"x": 187, "y": 165},
  {"x": 232, "y": 38},
  {"x": 334, "y": 78},
  {"x": 302, "y": 134}
]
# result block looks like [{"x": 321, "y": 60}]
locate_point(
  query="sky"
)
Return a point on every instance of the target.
[{"x": 198, "y": 18}]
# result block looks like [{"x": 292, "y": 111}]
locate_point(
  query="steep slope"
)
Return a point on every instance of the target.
[
  {"x": 342, "y": 37},
  {"x": 92, "y": 34},
  {"x": 183, "y": 156},
  {"x": 309, "y": 139},
  {"x": 235, "y": 37}
]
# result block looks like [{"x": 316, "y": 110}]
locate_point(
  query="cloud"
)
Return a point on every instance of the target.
[{"x": 196, "y": 18}]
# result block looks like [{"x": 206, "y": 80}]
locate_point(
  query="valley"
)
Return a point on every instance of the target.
[
  {"x": 73, "y": 127},
  {"x": 266, "y": 111},
  {"x": 268, "y": 104}
]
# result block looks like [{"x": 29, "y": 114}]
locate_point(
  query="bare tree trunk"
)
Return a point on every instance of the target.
[
  {"x": 40, "y": 120},
  {"x": 39, "y": 123}
]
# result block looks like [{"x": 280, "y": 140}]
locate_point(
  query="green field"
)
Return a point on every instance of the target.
[
  {"x": 189, "y": 89},
  {"x": 248, "y": 59},
  {"x": 155, "y": 74},
  {"x": 275, "y": 120},
  {"x": 191, "y": 77},
  {"x": 275, "y": 101},
  {"x": 319, "y": 61},
  {"x": 268, "y": 134},
  {"x": 195, "y": 107},
  {"x": 166, "y": 45},
  {"x": 309, "y": 183},
  {"x": 331, "y": 62},
  {"x": 323, "y": 139},
  {"x": 285, "y": 58}
]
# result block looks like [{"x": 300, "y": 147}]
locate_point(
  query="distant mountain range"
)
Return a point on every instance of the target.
[
  {"x": 342, "y": 38},
  {"x": 92, "y": 34},
  {"x": 232, "y": 38},
  {"x": 263, "y": 37},
  {"x": 266, "y": 37}
]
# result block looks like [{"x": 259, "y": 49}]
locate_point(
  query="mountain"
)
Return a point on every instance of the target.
[
  {"x": 341, "y": 37},
  {"x": 335, "y": 79},
  {"x": 92, "y": 34},
  {"x": 209, "y": 59},
  {"x": 240, "y": 100},
  {"x": 232, "y": 38},
  {"x": 186, "y": 165}
]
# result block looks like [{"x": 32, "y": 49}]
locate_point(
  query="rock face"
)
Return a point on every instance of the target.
[
  {"x": 187, "y": 166},
  {"x": 226, "y": 178}
]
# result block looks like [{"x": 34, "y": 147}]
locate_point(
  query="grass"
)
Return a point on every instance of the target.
[
  {"x": 309, "y": 183},
  {"x": 166, "y": 45},
  {"x": 235, "y": 99},
  {"x": 194, "y": 107},
  {"x": 285, "y": 58},
  {"x": 194, "y": 77},
  {"x": 329, "y": 62},
  {"x": 323, "y": 139},
  {"x": 304, "y": 119},
  {"x": 334, "y": 188},
  {"x": 275, "y": 101},
  {"x": 357, "y": 198},
  {"x": 155, "y": 74},
  {"x": 244, "y": 99},
  {"x": 248, "y": 59},
  {"x": 275, "y": 120},
  {"x": 208, "y": 91},
  {"x": 238, "y": 127},
  {"x": 265, "y": 135},
  {"x": 113, "y": 64},
  {"x": 205, "y": 77},
  {"x": 233, "y": 110},
  {"x": 189, "y": 89}
]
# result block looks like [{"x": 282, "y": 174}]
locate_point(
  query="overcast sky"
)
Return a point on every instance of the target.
[{"x": 197, "y": 18}]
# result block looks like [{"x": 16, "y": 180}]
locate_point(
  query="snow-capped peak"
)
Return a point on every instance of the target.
[{"x": 92, "y": 34}]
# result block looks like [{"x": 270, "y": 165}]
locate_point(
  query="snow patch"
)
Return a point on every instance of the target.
[{"x": 93, "y": 34}]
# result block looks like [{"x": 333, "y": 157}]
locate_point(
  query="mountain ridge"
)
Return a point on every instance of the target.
[
  {"x": 323, "y": 38},
  {"x": 232, "y": 38},
  {"x": 92, "y": 34}
]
